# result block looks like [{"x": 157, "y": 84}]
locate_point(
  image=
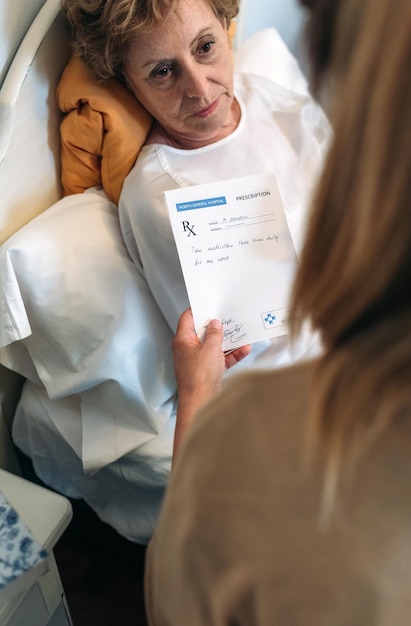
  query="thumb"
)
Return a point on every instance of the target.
[
  {"x": 185, "y": 325},
  {"x": 214, "y": 332}
]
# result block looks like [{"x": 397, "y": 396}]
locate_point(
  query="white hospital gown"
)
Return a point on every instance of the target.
[{"x": 280, "y": 132}]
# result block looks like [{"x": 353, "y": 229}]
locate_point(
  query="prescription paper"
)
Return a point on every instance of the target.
[{"x": 236, "y": 254}]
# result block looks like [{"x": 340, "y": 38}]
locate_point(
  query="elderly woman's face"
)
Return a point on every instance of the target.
[{"x": 182, "y": 73}]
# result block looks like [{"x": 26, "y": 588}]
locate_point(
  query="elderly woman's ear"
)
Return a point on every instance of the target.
[{"x": 231, "y": 32}]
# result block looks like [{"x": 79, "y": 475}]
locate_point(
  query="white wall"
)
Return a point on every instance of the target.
[
  {"x": 15, "y": 17},
  {"x": 287, "y": 16}
]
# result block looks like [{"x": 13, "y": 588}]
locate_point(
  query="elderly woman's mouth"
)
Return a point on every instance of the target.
[{"x": 208, "y": 110}]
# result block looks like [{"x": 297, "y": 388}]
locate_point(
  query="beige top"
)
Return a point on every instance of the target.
[{"x": 239, "y": 541}]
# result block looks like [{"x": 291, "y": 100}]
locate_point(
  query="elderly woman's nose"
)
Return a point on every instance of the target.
[{"x": 196, "y": 83}]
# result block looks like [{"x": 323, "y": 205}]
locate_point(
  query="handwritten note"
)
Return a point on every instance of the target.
[{"x": 236, "y": 254}]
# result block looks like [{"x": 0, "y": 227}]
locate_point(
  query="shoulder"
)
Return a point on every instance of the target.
[{"x": 149, "y": 177}]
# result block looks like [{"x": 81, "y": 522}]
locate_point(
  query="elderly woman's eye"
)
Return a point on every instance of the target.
[
  {"x": 161, "y": 72},
  {"x": 207, "y": 47}
]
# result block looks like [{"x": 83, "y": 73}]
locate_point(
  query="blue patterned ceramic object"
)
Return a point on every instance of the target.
[{"x": 19, "y": 550}]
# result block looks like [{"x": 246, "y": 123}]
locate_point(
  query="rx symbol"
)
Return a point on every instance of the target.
[{"x": 188, "y": 229}]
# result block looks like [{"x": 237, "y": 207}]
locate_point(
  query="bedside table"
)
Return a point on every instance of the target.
[{"x": 47, "y": 515}]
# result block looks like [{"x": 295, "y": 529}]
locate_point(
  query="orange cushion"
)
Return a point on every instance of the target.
[{"x": 102, "y": 132}]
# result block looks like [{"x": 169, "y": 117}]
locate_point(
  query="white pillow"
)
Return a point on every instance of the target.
[
  {"x": 266, "y": 54},
  {"x": 77, "y": 317}
]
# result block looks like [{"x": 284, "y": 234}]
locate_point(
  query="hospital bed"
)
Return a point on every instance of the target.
[
  {"x": 29, "y": 156},
  {"x": 72, "y": 306}
]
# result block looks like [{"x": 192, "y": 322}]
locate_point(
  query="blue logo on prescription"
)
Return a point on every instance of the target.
[{"x": 277, "y": 317}]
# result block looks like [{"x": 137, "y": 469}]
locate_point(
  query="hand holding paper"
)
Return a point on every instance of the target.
[{"x": 199, "y": 369}]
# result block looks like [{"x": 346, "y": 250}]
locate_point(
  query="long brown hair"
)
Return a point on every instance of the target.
[
  {"x": 319, "y": 38},
  {"x": 354, "y": 281},
  {"x": 103, "y": 29}
]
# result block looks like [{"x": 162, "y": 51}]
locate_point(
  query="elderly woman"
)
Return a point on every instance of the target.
[
  {"x": 250, "y": 533},
  {"x": 209, "y": 125}
]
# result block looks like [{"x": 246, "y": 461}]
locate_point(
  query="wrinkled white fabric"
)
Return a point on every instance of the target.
[
  {"x": 126, "y": 493},
  {"x": 96, "y": 332}
]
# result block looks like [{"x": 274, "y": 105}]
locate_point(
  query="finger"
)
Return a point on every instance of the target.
[
  {"x": 237, "y": 355},
  {"x": 214, "y": 333},
  {"x": 185, "y": 321},
  {"x": 185, "y": 327}
]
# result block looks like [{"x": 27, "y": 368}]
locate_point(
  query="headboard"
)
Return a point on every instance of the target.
[
  {"x": 15, "y": 18},
  {"x": 29, "y": 154},
  {"x": 29, "y": 121}
]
